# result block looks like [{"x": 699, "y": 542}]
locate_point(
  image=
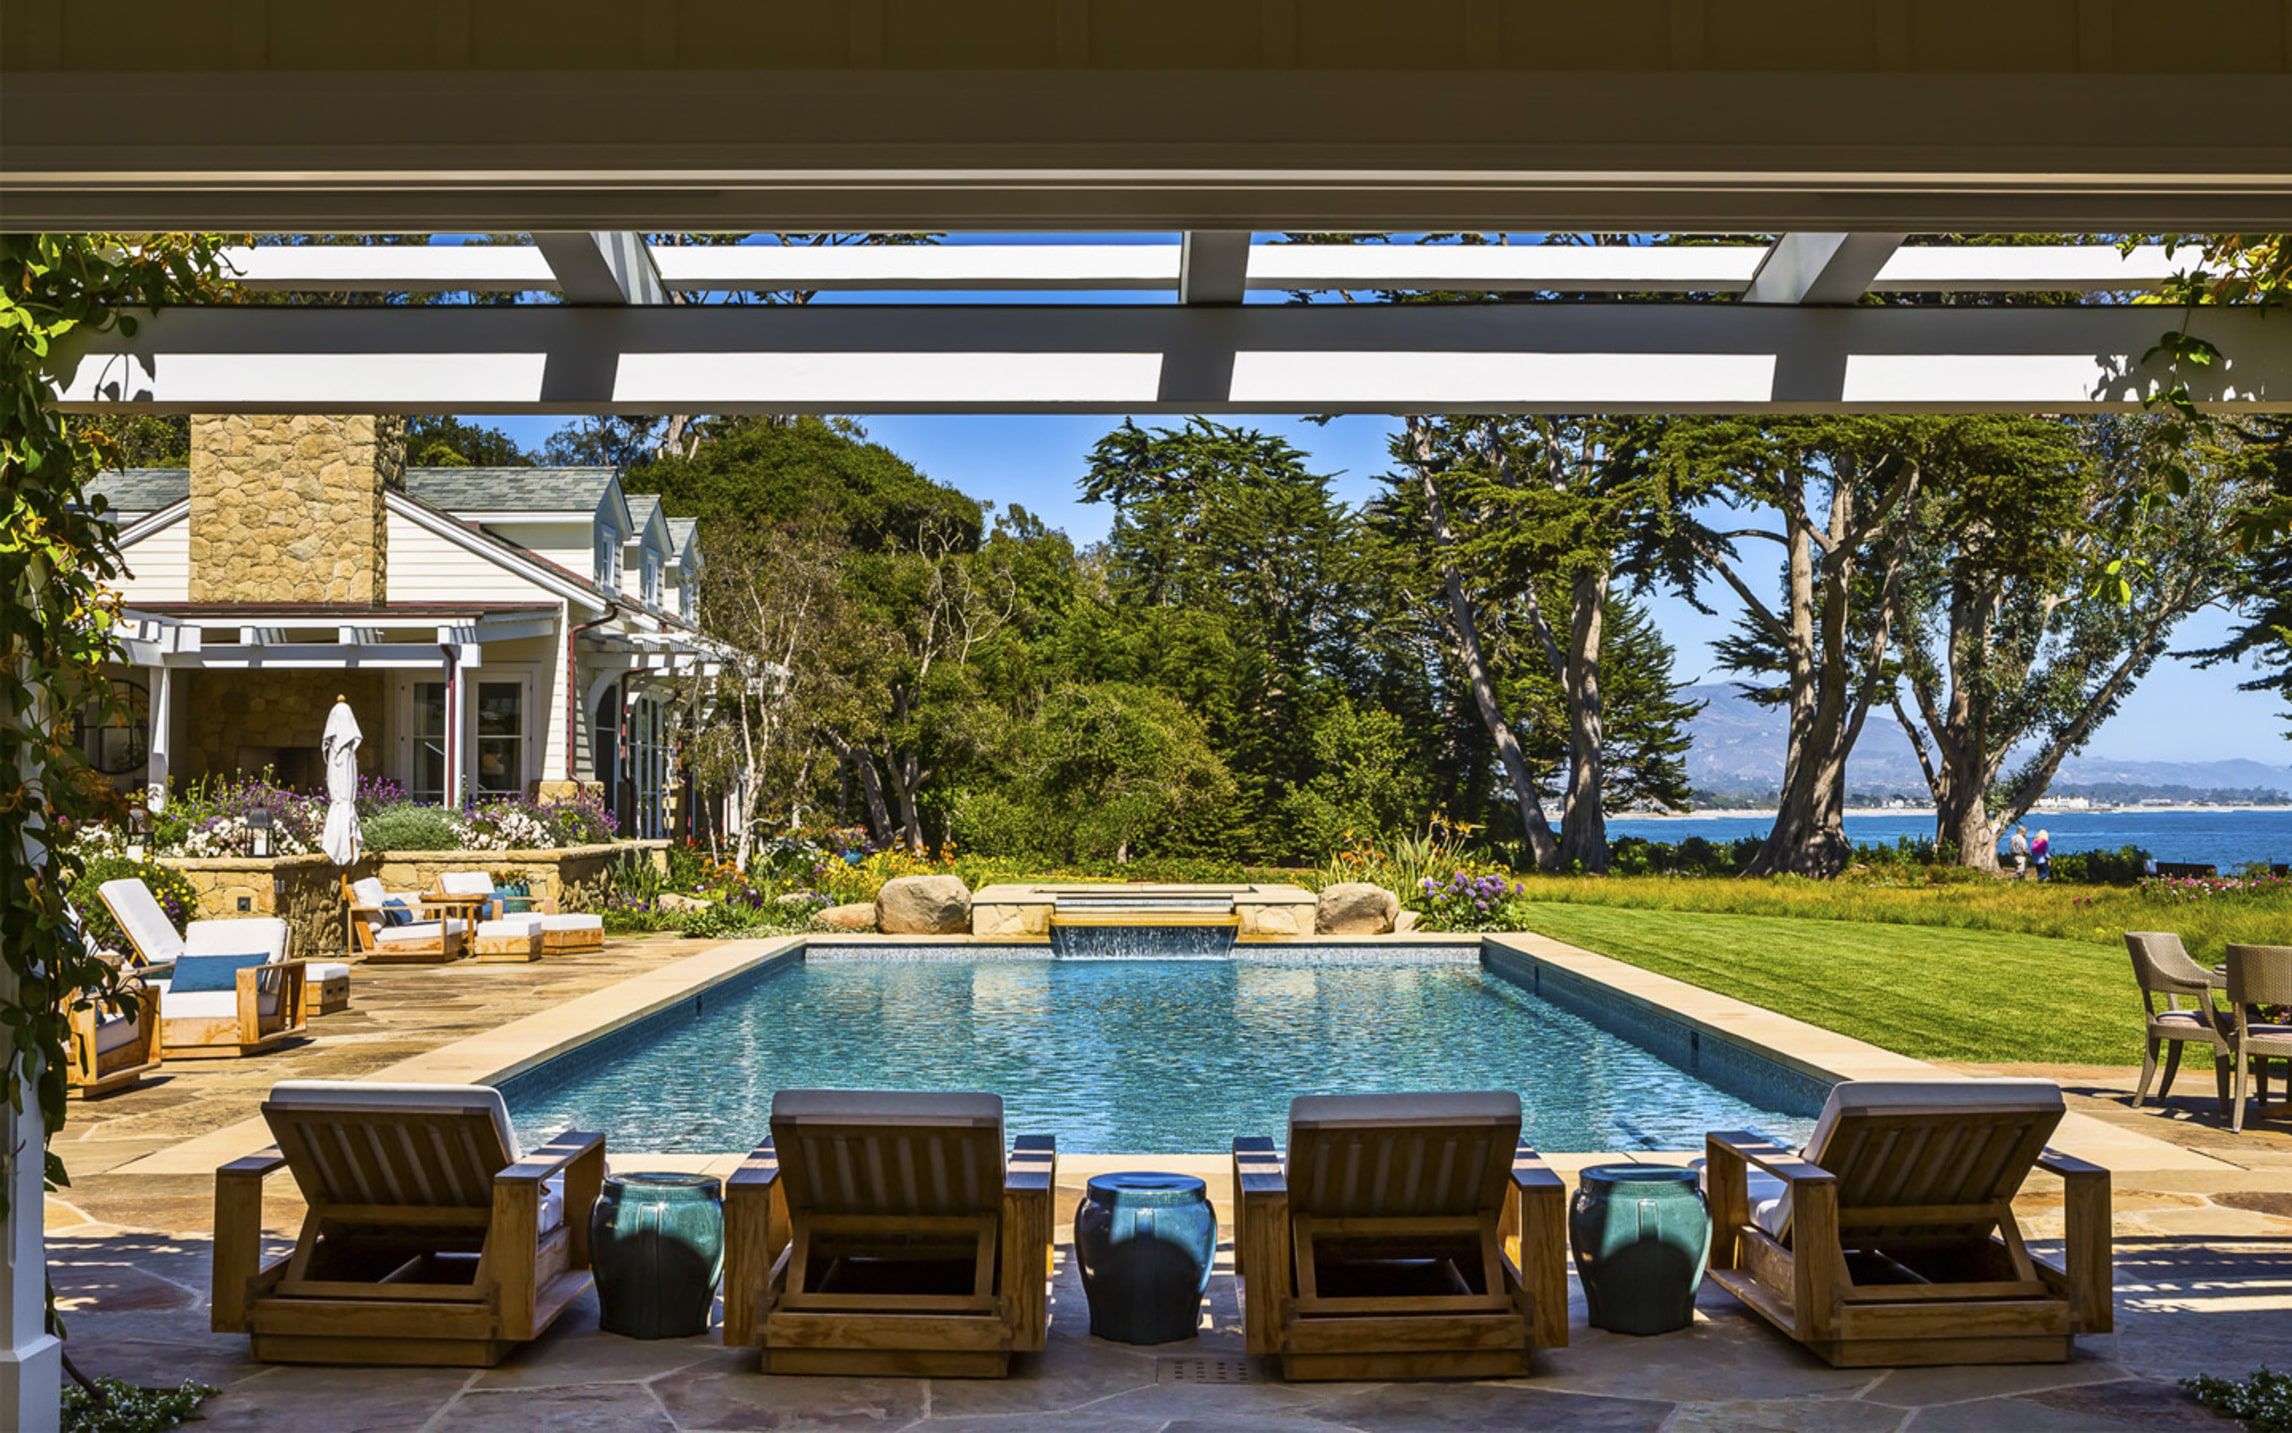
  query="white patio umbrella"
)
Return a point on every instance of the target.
[{"x": 340, "y": 748}]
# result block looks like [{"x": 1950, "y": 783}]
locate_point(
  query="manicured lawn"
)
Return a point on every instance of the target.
[{"x": 1929, "y": 992}]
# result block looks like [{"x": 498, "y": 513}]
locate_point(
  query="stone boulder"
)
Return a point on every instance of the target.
[
  {"x": 1355, "y": 908},
  {"x": 678, "y": 901},
  {"x": 1404, "y": 922},
  {"x": 859, "y": 916},
  {"x": 923, "y": 905}
]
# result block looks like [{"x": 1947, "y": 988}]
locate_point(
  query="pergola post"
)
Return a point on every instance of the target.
[
  {"x": 457, "y": 713},
  {"x": 31, "y": 1358},
  {"x": 161, "y": 743}
]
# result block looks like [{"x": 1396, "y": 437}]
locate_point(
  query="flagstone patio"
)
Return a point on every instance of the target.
[{"x": 2204, "y": 1284}]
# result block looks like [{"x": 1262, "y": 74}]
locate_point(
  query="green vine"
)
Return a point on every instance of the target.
[{"x": 57, "y": 618}]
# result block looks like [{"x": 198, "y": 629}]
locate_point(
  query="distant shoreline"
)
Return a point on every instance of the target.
[{"x": 1763, "y": 813}]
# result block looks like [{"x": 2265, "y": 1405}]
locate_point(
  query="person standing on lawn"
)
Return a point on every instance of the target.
[
  {"x": 2041, "y": 851},
  {"x": 2019, "y": 846}
]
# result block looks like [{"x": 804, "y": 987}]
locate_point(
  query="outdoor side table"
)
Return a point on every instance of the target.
[
  {"x": 1144, "y": 1242},
  {"x": 1641, "y": 1235},
  {"x": 656, "y": 1245}
]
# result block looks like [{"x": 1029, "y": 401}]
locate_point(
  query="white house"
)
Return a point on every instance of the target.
[{"x": 496, "y": 630}]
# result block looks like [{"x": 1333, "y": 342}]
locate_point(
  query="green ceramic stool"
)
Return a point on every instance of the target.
[
  {"x": 656, "y": 1242},
  {"x": 1641, "y": 1235}
]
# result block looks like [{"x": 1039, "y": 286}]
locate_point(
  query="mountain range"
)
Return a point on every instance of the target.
[{"x": 1738, "y": 750}]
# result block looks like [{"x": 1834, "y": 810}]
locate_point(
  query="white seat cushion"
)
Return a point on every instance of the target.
[
  {"x": 247, "y": 935},
  {"x": 213, "y": 1004},
  {"x": 2193, "y": 1018},
  {"x": 552, "y": 1203},
  {"x": 113, "y": 1031},
  {"x": 425, "y": 931},
  {"x": 465, "y": 883},
  {"x": 318, "y": 972},
  {"x": 1400, "y": 1111},
  {"x": 573, "y": 922},
  {"x": 505, "y": 926}
]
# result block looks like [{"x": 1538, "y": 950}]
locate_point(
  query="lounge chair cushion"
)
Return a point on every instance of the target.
[
  {"x": 317, "y": 972},
  {"x": 114, "y": 1030},
  {"x": 214, "y": 1004},
  {"x": 198, "y": 973},
  {"x": 427, "y": 931},
  {"x": 148, "y": 928},
  {"x": 466, "y": 883},
  {"x": 268, "y": 934},
  {"x": 887, "y": 1107},
  {"x": 573, "y": 922},
  {"x": 502, "y": 926},
  {"x": 1876, "y": 1097},
  {"x": 398, "y": 1094},
  {"x": 1496, "y": 1107}
]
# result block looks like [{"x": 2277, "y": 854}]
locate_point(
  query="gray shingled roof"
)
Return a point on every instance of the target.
[
  {"x": 680, "y": 535},
  {"x": 459, "y": 490},
  {"x": 142, "y": 490},
  {"x": 641, "y": 507}
]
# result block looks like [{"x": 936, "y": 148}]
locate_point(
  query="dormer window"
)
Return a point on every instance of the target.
[
  {"x": 608, "y": 559},
  {"x": 652, "y": 579}
]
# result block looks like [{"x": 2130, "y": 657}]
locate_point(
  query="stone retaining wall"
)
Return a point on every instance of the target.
[{"x": 307, "y": 890}]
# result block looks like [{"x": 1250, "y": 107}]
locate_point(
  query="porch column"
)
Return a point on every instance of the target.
[
  {"x": 457, "y": 712},
  {"x": 162, "y": 741},
  {"x": 31, "y": 1358}
]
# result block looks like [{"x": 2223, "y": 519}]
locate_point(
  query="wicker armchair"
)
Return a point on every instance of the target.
[
  {"x": 2258, "y": 976},
  {"x": 2165, "y": 972}
]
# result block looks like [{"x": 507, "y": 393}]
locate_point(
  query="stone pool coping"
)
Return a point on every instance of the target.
[{"x": 524, "y": 1043}]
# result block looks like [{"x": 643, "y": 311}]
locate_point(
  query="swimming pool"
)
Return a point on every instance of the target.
[{"x": 1142, "y": 1056}]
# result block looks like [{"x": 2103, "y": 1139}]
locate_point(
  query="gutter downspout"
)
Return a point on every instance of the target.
[{"x": 573, "y": 684}]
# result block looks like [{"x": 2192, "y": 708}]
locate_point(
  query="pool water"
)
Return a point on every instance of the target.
[{"x": 1132, "y": 1056}]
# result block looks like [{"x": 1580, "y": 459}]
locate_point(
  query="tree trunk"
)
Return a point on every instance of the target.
[
  {"x": 904, "y": 780},
  {"x": 1584, "y": 821},
  {"x": 1464, "y": 626},
  {"x": 861, "y": 763}
]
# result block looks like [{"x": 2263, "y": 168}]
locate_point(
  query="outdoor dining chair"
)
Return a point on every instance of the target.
[
  {"x": 2164, "y": 971},
  {"x": 2259, "y": 976}
]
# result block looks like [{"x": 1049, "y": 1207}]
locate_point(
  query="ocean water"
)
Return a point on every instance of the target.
[
  {"x": 1131, "y": 1056},
  {"x": 2228, "y": 839}
]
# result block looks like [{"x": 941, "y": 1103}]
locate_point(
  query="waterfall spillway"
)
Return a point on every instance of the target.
[{"x": 1124, "y": 925}]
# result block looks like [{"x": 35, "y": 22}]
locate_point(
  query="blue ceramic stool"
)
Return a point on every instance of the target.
[
  {"x": 1641, "y": 1235},
  {"x": 1145, "y": 1242},
  {"x": 656, "y": 1244}
]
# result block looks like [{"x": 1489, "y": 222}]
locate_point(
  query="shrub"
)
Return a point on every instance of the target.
[
  {"x": 170, "y": 887},
  {"x": 410, "y": 828},
  {"x": 722, "y": 920},
  {"x": 1468, "y": 902},
  {"x": 581, "y": 820},
  {"x": 2262, "y": 1402},
  {"x": 119, "y": 1407}
]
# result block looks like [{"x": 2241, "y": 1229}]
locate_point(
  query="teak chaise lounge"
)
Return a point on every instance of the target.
[
  {"x": 226, "y": 987},
  {"x": 392, "y": 929},
  {"x": 881, "y": 1232},
  {"x": 1892, "y": 1241},
  {"x": 1407, "y": 1236},
  {"x": 430, "y": 1238},
  {"x": 518, "y": 937},
  {"x": 114, "y": 1042}
]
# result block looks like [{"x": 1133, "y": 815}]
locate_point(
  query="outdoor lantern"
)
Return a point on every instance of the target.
[
  {"x": 138, "y": 832},
  {"x": 259, "y": 833}
]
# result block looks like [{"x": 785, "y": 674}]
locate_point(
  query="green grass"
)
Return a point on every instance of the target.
[{"x": 1934, "y": 993}]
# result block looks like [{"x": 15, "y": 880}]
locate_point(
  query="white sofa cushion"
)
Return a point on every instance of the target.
[
  {"x": 113, "y": 1031},
  {"x": 503, "y": 926},
  {"x": 213, "y": 1004},
  {"x": 466, "y": 883},
  {"x": 317, "y": 972},
  {"x": 573, "y": 922},
  {"x": 403, "y": 934},
  {"x": 246, "y": 935}
]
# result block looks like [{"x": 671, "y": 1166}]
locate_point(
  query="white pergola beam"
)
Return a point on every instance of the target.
[
  {"x": 1004, "y": 267},
  {"x": 602, "y": 267},
  {"x": 1262, "y": 358},
  {"x": 1213, "y": 266},
  {"x": 1821, "y": 268}
]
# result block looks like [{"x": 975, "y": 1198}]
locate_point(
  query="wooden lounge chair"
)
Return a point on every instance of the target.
[
  {"x": 2258, "y": 976},
  {"x": 881, "y": 1232},
  {"x": 154, "y": 946},
  {"x": 214, "y": 1001},
  {"x": 1892, "y": 1240},
  {"x": 1408, "y": 1236},
  {"x": 383, "y": 933},
  {"x": 115, "y": 1041},
  {"x": 2163, "y": 970},
  {"x": 430, "y": 1238},
  {"x": 495, "y": 936},
  {"x": 560, "y": 930}
]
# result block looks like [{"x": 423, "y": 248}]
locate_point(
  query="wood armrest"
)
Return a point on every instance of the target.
[
  {"x": 255, "y": 1166},
  {"x": 1258, "y": 1170},
  {"x": 1033, "y": 1163},
  {"x": 1261, "y": 1243},
  {"x": 552, "y": 1157},
  {"x": 1029, "y": 1179},
  {"x": 1775, "y": 1158},
  {"x": 1530, "y": 1172},
  {"x": 1533, "y": 1236},
  {"x": 2068, "y": 1166},
  {"x": 756, "y": 1174},
  {"x": 755, "y": 1231}
]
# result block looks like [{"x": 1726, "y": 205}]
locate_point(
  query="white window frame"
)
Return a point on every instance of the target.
[{"x": 410, "y": 736}]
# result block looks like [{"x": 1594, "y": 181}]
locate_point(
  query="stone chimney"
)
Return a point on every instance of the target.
[{"x": 287, "y": 507}]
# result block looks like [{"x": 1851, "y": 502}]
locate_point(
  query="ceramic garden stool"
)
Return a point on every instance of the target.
[
  {"x": 1641, "y": 1235},
  {"x": 1145, "y": 1242},
  {"x": 656, "y": 1243}
]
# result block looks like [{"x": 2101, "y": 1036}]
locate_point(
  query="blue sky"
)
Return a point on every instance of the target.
[{"x": 2179, "y": 713}]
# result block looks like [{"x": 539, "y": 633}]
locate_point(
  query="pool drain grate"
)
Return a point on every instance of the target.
[{"x": 1202, "y": 1370}]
